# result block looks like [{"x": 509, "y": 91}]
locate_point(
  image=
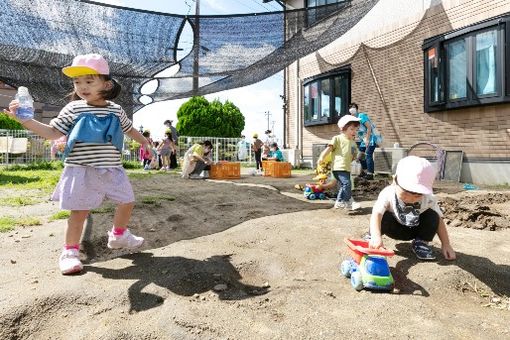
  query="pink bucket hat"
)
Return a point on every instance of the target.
[
  {"x": 87, "y": 64},
  {"x": 416, "y": 174},
  {"x": 345, "y": 120}
]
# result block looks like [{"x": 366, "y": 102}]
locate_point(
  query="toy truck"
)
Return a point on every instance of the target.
[
  {"x": 367, "y": 268},
  {"x": 313, "y": 192}
]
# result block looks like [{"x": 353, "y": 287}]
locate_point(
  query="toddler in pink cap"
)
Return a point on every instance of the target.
[
  {"x": 95, "y": 128},
  {"x": 407, "y": 210}
]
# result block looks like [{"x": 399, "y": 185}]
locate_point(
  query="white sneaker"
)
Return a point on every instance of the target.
[
  {"x": 69, "y": 262},
  {"x": 340, "y": 204},
  {"x": 126, "y": 240},
  {"x": 352, "y": 205}
]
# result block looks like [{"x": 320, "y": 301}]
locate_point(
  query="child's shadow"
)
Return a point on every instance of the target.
[
  {"x": 402, "y": 283},
  {"x": 180, "y": 275},
  {"x": 495, "y": 276}
]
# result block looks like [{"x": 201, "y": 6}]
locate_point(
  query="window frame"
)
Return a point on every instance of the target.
[
  {"x": 501, "y": 25},
  {"x": 342, "y": 72}
]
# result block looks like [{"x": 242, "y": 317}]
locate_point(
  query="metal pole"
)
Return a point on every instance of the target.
[{"x": 196, "y": 43}]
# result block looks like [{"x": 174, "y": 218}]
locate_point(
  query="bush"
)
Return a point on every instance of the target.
[{"x": 7, "y": 123}]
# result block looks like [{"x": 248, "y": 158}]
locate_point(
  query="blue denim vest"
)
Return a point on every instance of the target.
[{"x": 90, "y": 128}]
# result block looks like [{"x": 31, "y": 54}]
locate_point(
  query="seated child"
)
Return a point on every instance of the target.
[
  {"x": 265, "y": 152},
  {"x": 407, "y": 210},
  {"x": 275, "y": 154}
]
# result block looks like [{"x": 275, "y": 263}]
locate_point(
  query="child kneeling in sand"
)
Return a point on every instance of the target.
[{"x": 407, "y": 210}]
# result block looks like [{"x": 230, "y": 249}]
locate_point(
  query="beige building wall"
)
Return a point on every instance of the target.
[{"x": 387, "y": 82}]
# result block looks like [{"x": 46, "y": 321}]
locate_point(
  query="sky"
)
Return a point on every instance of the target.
[{"x": 254, "y": 101}]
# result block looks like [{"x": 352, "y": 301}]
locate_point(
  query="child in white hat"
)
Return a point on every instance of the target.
[
  {"x": 343, "y": 149},
  {"x": 407, "y": 210}
]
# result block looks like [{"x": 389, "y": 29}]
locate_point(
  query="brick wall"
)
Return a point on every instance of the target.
[{"x": 481, "y": 132}]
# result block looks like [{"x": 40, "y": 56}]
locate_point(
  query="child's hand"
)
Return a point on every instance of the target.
[
  {"x": 375, "y": 242},
  {"x": 448, "y": 252},
  {"x": 13, "y": 107}
]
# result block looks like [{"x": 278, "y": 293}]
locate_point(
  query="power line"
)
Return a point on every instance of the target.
[
  {"x": 243, "y": 4},
  {"x": 261, "y": 5}
]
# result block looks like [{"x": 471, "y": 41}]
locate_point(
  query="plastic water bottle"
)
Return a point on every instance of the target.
[
  {"x": 355, "y": 168},
  {"x": 26, "y": 104}
]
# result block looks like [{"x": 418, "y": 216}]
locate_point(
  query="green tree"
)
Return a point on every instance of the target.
[
  {"x": 8, "y": 123},
  {"x": 199, "y": 117}
]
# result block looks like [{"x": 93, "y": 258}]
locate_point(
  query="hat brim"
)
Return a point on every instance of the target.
[
  {"x": 320, "y": 177},
  {"x": 78, "y": 71},
  {"x": 417, "y": 188}
]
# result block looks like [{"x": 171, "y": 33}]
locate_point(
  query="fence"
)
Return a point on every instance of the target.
[
  {"x": 224, "y": 149},
  {"x": 23, "y": 147}
]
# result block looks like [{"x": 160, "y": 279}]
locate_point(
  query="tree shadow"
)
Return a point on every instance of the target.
[
  {"x": 181, "y": 276},
  {"x": 495, "y": 276}
]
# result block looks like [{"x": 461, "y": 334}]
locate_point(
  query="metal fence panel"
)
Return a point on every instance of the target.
[{"x": 24, "y": 147}]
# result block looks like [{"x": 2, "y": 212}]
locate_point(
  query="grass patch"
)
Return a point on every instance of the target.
[
  {"x": 61, "y": 215},
  {"x": 9, "y": 223},
  {"x": 29, "y": 179},
  {"x": 19, "y": 201},
  {"x": 54, "y": 165},
  {"x": 156, "y": 199}
]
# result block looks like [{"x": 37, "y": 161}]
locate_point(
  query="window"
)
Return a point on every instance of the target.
[
  {"x": 326, "y": 97},
  {"x": 468, "y": 67},
  {"x": 317, "y": 14}
]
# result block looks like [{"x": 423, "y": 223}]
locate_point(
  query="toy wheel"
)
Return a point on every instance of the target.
[
  {"x": 311, "y": 197},
  {"x": 345, "y": 268},
  {"x": 322, "y": 196},
  {"x": 356, "y": 281}
]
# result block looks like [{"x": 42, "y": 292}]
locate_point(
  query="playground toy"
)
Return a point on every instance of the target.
[
  {"x": 367, "y": 268},
  {"x": 313, "y": 192}
]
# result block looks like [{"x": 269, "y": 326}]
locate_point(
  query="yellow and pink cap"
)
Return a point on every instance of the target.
[{"x": 87, "y": 64}]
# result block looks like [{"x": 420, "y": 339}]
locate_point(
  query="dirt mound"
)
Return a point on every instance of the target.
[{"x": 477, "y": 212}]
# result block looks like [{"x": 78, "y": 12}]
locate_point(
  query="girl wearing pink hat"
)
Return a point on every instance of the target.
[
  {"x": 95, "y": 128},
  {"x": 407, "y": 210}
]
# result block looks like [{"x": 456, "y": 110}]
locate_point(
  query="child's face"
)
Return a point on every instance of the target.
[
  {"x": 407, "y": 196},
  {"x": 89, "y": 88},
  {"x": 351, "y": 131}
]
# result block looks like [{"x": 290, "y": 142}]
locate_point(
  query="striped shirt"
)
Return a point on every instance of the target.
[{"x": 91, "y": 154}]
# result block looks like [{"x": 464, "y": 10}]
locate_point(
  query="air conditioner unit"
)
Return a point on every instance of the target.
[
  {"x": 292, "y": 156},
  {"x": 386, "y": 159}
]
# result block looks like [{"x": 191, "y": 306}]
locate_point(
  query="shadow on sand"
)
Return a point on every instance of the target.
[
  {"x": 181, "y": 276},
  {"x": 494, "y": 276}
]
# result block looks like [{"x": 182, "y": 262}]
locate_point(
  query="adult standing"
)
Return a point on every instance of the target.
[
  {"x": 257, "y": 150},
  {"x": 175, "y": 134},
  {"x": 367, "y": 140}
]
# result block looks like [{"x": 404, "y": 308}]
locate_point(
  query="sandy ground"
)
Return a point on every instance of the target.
[{"x": 237, "y": 261}]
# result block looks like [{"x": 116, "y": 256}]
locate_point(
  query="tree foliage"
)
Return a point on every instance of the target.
[
  {"x": 8, "y": 123},
  {"x": 199, "y": 117}
]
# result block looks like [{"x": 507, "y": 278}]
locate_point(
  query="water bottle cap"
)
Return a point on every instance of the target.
[{"x": 23, "y": 91}]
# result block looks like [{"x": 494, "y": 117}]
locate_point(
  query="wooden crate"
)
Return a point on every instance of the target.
[
  {"x": 225, "y": 170},
  {"x": 277, "y": 169},
  {"x": 281, "y": 169},
  {"x": 268, "y": 168}
]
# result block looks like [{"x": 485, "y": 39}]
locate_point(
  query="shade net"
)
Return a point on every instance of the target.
[{"x": 39, "y": 37}]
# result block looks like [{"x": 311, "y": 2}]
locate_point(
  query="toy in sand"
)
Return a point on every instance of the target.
[{"x": 367, "y": 268}]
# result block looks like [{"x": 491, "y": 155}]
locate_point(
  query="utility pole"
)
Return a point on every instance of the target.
[
  {"x": 268, "y": 115},
  {"x": 196, "y": 44}
]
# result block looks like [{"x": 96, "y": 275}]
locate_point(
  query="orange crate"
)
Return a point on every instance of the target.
[
  {"x": 268, "y": 168},
  {"x": 281, "y": 169},
  {"x": 225, "y": 170}
]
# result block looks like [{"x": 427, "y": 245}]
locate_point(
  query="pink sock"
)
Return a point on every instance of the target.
[
  {"x": 117, "y": 231},
  {"x": 71, "y": 246}
]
